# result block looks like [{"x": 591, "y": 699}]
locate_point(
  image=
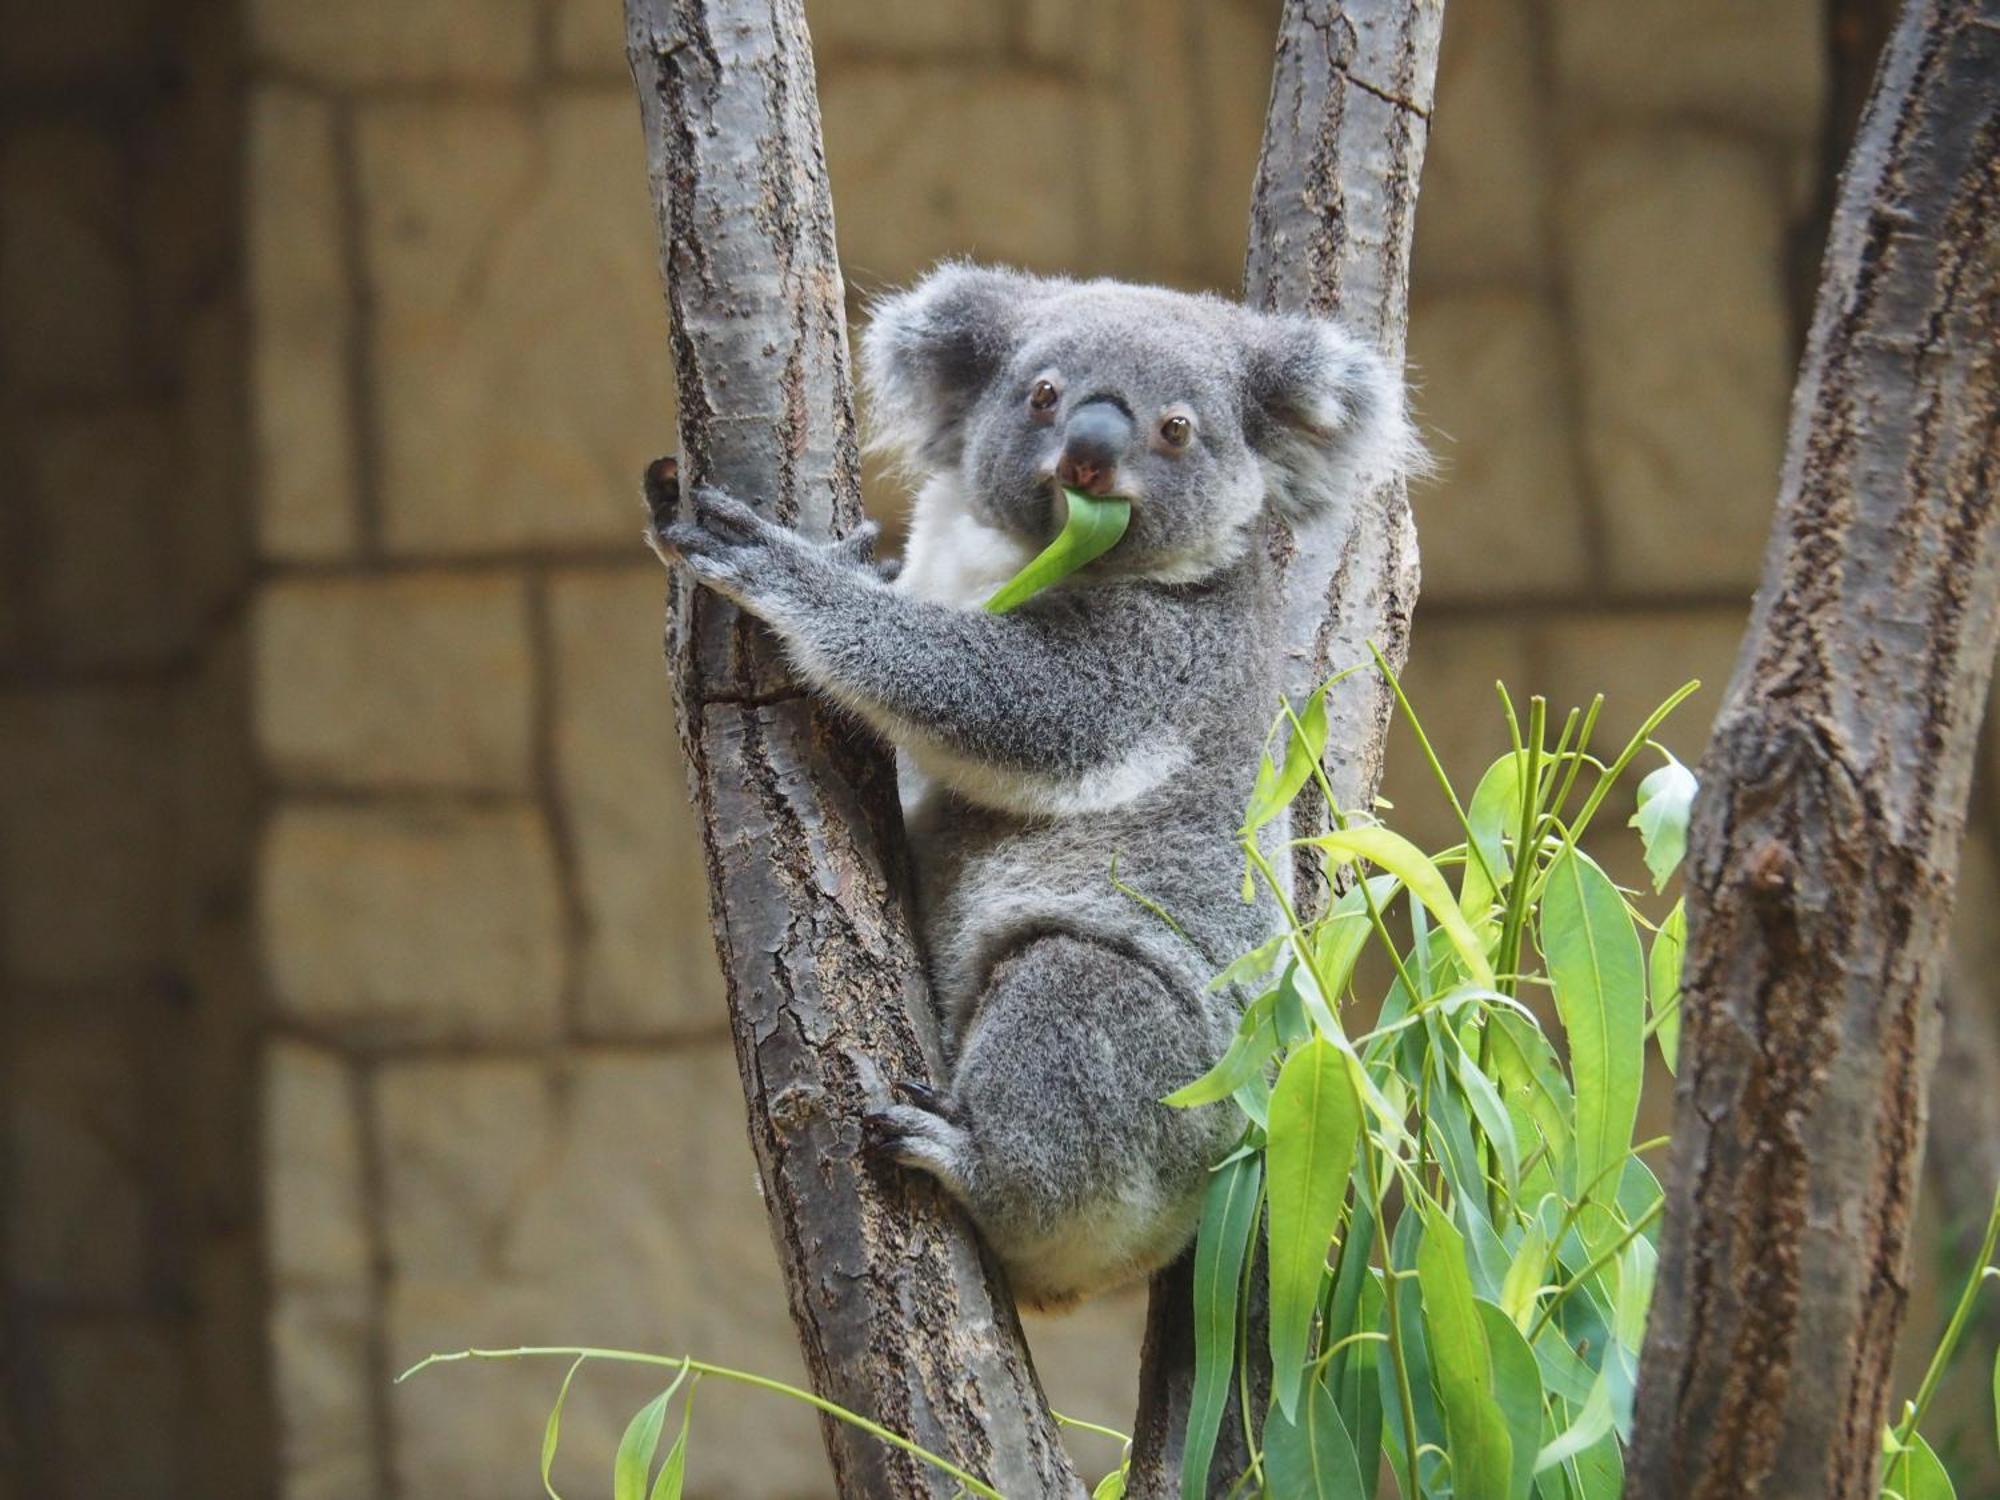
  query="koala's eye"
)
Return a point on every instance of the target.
[
  {"x": 1176, "y": 431},
  {"x": 1042, "y": 396}
]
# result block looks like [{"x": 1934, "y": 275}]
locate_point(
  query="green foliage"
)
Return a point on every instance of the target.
[{"x": 1447, "y": 1207}]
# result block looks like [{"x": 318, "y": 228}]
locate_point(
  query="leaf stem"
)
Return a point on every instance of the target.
[
  {"x": 722, "y": 1372},
  {"x": 1927, "y": 1388}
]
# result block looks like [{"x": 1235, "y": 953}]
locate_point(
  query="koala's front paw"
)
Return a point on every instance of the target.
[{"x": 736, "y": 552}]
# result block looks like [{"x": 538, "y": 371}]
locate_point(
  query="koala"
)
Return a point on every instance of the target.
[{"x": 1114, "y": 718}]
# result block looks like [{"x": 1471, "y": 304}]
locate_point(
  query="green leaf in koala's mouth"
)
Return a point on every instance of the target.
[{"x": 1093, "y": 529}]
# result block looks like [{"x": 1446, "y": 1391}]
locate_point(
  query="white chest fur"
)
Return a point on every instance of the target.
[{"x": 951, "y": 557}]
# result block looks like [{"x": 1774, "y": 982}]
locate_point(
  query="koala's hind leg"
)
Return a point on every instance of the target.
[{"x": 1053, "y": 1134}]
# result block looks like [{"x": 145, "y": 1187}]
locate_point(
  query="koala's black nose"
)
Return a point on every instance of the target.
[{"x": 1093, "y": 441}]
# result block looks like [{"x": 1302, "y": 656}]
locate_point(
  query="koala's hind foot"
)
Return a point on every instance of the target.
[
  {"x": 925, "y": 1130},
  {"x": 1052, "y": 1134}
]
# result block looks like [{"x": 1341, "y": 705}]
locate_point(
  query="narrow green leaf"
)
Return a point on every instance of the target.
[
  {"x": 554, "y": 1428},
  {"x": 636, "y": 1449},
  {"x": 1315, "y": 1122},
  {"x": 1493, "y": 813},
  {"x": 1663, "y": 974},
  {"x": 1112, "y": 1485},
  {"x": 1343, "y": 932},
  {"x": 1592, "y": 949},
  {"x": 1405, "y": 860},
  {"x": 1524, "y": 1276},
  {"x": 1482, "y": 1453},
  {"x": 1589, "y": 1425},
  {"x": 1249, "y": 1050},
  {"x": 1996, "y": 1397},
  {"x": 1093, "y": 529},
  {"x": 1517, "y": 1387},
  {"x": 673, "y": 1473},
  {"x": 1313, "y": 1458},
  {"x": 1228, "y": 1220},
  {"x": 1665, "y": 800},
  {"x": 1302, "y": 752}
]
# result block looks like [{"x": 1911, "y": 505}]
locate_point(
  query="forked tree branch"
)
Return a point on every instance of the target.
[
  {"x": 898, "y": 1313},
  {"x": 1825, "y": 847},
  {"x": 1330, "y": 228}
]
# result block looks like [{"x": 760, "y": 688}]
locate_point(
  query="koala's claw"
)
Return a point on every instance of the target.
[
  {"x": 722, "y": 512},
  {"x": 911, "y": 1136},
  {"x": 932, "y": 1100}
]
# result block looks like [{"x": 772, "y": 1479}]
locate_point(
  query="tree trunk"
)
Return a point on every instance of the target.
[
  {"x": 1330, "y": 228},
  {"x": 898, "y": 1313},
  {"x": 1825, "y": 845}
]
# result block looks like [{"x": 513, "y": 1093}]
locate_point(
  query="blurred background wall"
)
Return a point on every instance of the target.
[{"x": 360, "y": 1000}]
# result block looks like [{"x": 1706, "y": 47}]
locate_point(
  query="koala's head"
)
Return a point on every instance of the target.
[{"x": 1204, "y": 414}]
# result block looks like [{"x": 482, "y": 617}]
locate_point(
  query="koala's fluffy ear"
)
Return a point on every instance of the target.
[
  {"x": 929, "y": 351},
  {"x": 1326, "y": 415}
]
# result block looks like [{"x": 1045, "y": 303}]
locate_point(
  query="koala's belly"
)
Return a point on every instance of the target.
[{"x": 988, "y": 882}]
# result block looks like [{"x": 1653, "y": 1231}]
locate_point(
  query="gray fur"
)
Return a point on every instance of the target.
[{"x": 1117, "y": 716}]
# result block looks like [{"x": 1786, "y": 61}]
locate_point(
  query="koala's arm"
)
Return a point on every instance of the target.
[{"x": 1075, "y": 684}]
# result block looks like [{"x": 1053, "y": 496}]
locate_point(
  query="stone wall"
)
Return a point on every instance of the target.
[
  {"x": 131, "y": 1325},
  {"x": 376, "y": 701}
]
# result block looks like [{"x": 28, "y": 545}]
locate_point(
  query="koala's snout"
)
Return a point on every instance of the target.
[{"x": 1094, "y": 440}]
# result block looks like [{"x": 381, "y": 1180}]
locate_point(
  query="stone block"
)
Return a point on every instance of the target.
[
  {"x": 634, "y": 1221},
  {"x": 590, "y": 40},
  {"x": 1492, "y": 383},
  {"x": 1760, "y": 66},
  {"x": 323, "y": 1384},
  {"x": 520, "y": 339},
  {"x": 930, "y": 161},
  {"x": 400, "y": 41},
  {"x": 301, "y": 327},
  {"x": 315, "y": 1204},
  {"x": 1234, "y": 46},
  {"x": 415, "y": 680},
  {"x": 68, "y": 274},
  {"x": 464, "y": 1142},
  {"x": 1636, "y": 660},
  {"x": 1484, "y": 208},
  {"x": 413, "y": 921},
  {"x": 81, "y": 1206},
  {"x": 108, "y": 585},
  {"x": 899, "y": 28},
  {"x": 648, "y": 957},
  {"x": 49, "y": 42},
  {"x": 137, "y": 1364},
  {"x": 1675, "y": 260},
  {"x": 86, "y": 834}
]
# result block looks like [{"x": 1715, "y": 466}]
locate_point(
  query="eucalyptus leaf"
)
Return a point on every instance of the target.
[
  {"x": 1404, "y": 859},
  {"x": 634, "y": 1461},
  {"x": 552, "y": 1431},
  {"x": 1482, "y": 1451},
  {"x": 1592, "y": 950},
  {"x": 1312, "y": 1458},
  {"x": 1665, "y": 800},
  {"x": 1093, "y": 529},
  {"x": 673, "y": 1473},
  {"x": 1663, "y": 983},
  {"x": 1254, "y": 1044},
  {"x": 1517, "y": 1387},
  {"x": 1914, "y": 1472},
  {"x": 1228, "y": 1223},
  {"x": 1315, "y": 1123},
  {"x": 1585, "y": 1430}
]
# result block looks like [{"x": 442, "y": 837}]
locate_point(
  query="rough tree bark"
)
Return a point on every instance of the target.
[
  {"x": 1330, "y": 227},
  {"x": 1825, "y": 845},
  {"x": 898, "y": 1313}
]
